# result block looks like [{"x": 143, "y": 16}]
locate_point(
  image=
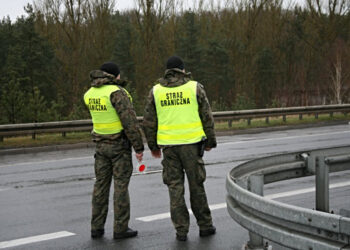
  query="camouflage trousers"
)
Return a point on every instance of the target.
[
  {"x": 112, "y": 160},
  {"x": 177, "y": 161}
]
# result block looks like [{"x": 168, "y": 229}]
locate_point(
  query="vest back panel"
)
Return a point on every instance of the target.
[
  {"x": 177, "y": 112},
  {"x": 104, "y": 117}
]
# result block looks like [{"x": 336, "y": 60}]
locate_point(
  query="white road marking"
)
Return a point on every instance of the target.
[
  {"x": 223, "y": 205},
  {"x": 33, "y": 239},
  {"x": 304, "y": 191},
  {"x": 154, "y": 217},
  {"x": 217, "y": 206},
  {"x": 167, "y": 215},
  {"x": 3, "y": 189}
]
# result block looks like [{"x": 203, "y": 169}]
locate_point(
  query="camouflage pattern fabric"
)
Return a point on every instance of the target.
[
  {"x": 112, "y": 160},
  {"x": 174, "y": 78},
  {"x": 113, "y": 157},
  {"x": 123, "y": 107},
  {"x": 177, "y": 161},
  {"x": 182, "y": 159}
]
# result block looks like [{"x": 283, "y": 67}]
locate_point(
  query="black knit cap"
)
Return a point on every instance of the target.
[
  {"x": 175, "y": 62},
  {"x": 111, "y": 68}
]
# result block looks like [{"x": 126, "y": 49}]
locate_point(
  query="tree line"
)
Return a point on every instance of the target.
[{"x": 247, "y": 53}]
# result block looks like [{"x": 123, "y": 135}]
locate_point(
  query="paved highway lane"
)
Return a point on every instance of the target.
[{"x": 45, "y": 198}]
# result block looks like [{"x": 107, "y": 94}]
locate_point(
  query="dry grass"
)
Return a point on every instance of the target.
[
  {"x": 76, "y": 137},
  {"x": 45, "y": 139},
  {"x": 278, "y": 121}
]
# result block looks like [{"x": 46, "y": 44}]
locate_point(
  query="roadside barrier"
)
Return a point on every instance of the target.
[
  {"x": 229, "y": 116},
  {"x": 287, "y": 225}
]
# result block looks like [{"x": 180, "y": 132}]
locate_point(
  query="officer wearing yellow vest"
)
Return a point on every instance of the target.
[
  {"x": 115, "y": 131},
  {"x": 178, "y": 120}
]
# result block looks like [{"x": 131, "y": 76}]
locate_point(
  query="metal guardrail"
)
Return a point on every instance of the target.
[
  {"x": 284, "y": 112},
  {"x": 86, "y": 125},
  {"x": 287, "y": 225}
]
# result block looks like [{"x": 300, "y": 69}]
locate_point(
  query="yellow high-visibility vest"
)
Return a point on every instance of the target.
[
  {"x": 104, "y": 116},
  {"x": 177, "y": 112}
]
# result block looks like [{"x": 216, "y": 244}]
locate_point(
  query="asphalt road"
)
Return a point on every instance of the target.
[{"x": 45, "y": 198}]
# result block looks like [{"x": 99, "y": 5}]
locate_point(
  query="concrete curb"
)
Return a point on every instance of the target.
[{"x": 82, "y": 145}]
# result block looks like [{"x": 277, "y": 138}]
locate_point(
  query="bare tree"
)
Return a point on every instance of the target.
[
  {"x": 81, "y": 33},
  {"x": 330, "y": 7},
  {"x": 337, "y": 81},
  {"x": 150, "y": 18},
  {"x": 339, "y": 72}
]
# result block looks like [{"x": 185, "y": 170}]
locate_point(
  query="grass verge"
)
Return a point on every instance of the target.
[
  {"x": 45, "y": 140},
  {"x": 278, "y": 121},
  {"x": 77, "y": 137}
]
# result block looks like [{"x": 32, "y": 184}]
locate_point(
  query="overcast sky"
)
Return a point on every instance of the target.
[{"x": 14, "y": 8}]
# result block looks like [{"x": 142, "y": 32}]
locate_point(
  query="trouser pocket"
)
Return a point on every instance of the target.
[
  {"x": 201, "y": 176},
  {"x": 165, "y": 173}
]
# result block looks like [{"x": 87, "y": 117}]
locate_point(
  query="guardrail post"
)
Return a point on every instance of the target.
[
  {"x": 331, "y": 114},
  {"x": 322, "y": 185},
  {"x": 300, "y": 116},
  {"x": 63, "y": 134},
  {"x": 284, "y": 118},
  {"x": 256, "y": 186},
  {"x": 316, "y": 115},
  {"x": 267, "y": 120},
  {"x": 33, "y": 136},
  {"x": 249, "y": 121},
  {"x": 230, "y": 123},
  {"x": 1, "y": 138}
]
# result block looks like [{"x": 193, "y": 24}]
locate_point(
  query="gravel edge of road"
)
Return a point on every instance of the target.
[{"x": 218, "y": 133}]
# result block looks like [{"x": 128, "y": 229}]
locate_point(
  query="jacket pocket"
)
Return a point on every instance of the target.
[{"x": 165, "y": 172}]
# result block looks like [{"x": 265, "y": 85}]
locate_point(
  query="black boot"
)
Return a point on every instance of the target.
[
  {"x": 97, "y": 233},
  {"x": 127, "y": 234},
  {"x": 181, "y": 237},
  {"x": 206, "y": 232}
]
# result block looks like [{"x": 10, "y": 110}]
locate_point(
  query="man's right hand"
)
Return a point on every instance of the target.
[
  {"x": 139, "y": 156},
  {"x": 156, "y": 153}
]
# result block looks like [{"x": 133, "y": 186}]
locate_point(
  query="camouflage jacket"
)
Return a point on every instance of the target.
[
  {"x": 174, "y": 78},
  {"x": 124, "y": 109}
]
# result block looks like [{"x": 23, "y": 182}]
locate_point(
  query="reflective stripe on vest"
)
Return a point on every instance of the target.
[
  {"x": 104, "y": 116},
  {"x": 177, "y": 112}
]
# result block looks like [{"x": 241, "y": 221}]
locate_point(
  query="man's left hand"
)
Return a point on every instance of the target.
[{"x": 156, "y": 153}]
